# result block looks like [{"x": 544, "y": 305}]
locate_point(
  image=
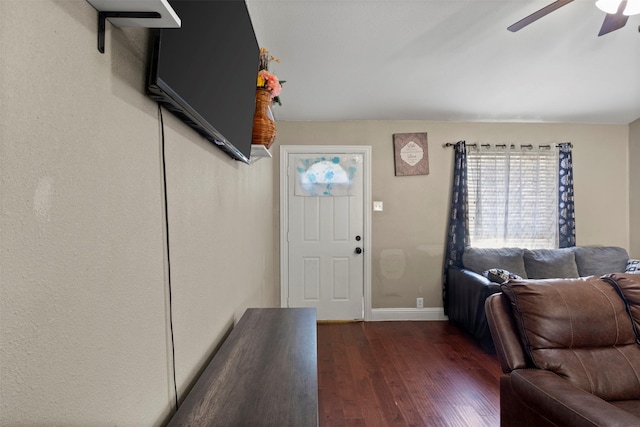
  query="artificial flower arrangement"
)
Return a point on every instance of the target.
[{"x": 269, "y": 80}]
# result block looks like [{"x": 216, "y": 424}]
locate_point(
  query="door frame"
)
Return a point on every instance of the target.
[{"x": 365, "y": 150}]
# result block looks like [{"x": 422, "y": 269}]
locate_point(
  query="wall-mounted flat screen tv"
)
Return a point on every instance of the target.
[{"x": 205, "y": 72}]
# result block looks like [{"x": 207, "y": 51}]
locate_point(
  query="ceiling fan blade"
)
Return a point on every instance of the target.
[
  {"x": 537, "y": 15},
  {"x": 615, "y": 21}
]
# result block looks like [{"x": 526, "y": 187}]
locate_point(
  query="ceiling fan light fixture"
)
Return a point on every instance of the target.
[
  {"x": 633, "y": 8},
  {"x": 609, "y": 6}
]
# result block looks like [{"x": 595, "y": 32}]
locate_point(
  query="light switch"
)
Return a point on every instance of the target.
[{"x": 377, "y": 206}]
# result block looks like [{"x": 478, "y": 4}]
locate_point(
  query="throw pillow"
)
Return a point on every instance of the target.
[
  {"x": 500, "y": 275},
  {"x": 633, "y": 266}
]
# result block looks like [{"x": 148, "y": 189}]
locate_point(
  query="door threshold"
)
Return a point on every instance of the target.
[{"x": 331, "y": 322}]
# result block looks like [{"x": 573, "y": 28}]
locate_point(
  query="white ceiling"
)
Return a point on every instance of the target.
[{"x": 449, "y": 60}]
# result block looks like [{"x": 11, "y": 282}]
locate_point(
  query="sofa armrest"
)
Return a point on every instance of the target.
[
  {"x": 465, "y": 274},
  {"x": 505, "y": 334},
  {"x": 466, "y": 294},
  {"x": 542, "y": 397}
]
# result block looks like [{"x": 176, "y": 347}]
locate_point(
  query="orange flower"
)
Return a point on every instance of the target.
[
  {"x": 266, "y": 79},
  {"x": 269, "y": 81}
]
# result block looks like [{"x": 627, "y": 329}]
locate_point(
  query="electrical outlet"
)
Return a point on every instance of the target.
[{"x": 419, "y": 303}]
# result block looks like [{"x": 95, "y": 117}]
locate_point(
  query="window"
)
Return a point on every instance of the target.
[
  {"x": 322, "y": 176},
  {"x": 512, "y": 195}
]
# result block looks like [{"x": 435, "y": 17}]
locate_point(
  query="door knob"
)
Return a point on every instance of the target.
[{"x": 358, "y": 250}]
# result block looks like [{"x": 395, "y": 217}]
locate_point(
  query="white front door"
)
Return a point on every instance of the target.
[{"x": 325, "y": 233}]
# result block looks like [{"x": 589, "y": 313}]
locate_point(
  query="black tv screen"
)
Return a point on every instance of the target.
[{"x": 205, "y": 72}]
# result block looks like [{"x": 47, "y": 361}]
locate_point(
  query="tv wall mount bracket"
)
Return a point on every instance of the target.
[{"x": 102, "y": 17}]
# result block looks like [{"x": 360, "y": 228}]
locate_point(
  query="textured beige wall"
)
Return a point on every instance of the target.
[
  {"x": 409, "y": 235},
  {"x": 634, "y": 189},
  {"x": 84, "y": 332}
]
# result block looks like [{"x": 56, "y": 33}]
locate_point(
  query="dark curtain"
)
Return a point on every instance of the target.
[
  {"x": 458, "y": 230},
  {"x": 566, "y": 209}
]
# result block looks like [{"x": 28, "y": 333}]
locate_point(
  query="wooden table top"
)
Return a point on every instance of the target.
[{"x": 265, "y": 374}]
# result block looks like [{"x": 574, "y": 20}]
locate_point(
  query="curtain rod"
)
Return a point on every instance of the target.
[{"x": 451, "y": 144}]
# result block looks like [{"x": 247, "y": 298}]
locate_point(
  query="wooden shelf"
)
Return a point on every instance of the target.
[{"x": 259, "y": 152}]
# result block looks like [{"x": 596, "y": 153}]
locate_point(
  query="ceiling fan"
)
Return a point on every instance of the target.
[{"x": 618, "y": 11}]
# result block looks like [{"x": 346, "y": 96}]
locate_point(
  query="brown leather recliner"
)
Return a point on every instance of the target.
[{"x": 568, "y": 349}]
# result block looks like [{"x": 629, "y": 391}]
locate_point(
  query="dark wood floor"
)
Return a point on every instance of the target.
[{"x": 404, "y": 374}]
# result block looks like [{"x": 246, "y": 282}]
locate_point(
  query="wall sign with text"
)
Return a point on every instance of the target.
[{"x": 411, "y": 154}]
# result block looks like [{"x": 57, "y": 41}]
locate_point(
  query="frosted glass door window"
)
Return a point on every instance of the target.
[{"x": 326, "y": 176}]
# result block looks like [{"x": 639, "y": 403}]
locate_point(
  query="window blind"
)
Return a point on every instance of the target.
[{"x": 512, "y": 196}]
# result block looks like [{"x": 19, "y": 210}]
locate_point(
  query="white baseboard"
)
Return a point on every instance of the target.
[{"x": 429, "y": 313}]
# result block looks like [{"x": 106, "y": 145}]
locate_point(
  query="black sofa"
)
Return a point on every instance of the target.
[{"x": 469, "y": 286}]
